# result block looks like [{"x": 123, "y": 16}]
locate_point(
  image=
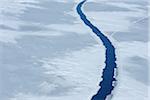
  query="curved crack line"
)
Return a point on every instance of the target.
[{"x": 107, "y": 83}]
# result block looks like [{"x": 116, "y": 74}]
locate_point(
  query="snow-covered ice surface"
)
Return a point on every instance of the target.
[{"x": 47, "y": 53}]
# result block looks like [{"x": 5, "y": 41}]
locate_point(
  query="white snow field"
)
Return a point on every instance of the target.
[{"x": 47, "y": 53}]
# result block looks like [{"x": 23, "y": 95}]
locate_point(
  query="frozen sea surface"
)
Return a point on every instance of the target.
[{"x": 47, "y": 53}]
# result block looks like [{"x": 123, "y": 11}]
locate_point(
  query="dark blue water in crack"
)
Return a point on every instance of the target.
[{"x": 106, "y": 85}]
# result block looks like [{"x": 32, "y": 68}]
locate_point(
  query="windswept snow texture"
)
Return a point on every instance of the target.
[
  {"x": 46, "y": 53},
  {"x": 106, "y": 85}
]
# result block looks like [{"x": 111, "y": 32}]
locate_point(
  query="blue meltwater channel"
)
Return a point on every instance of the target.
[{"x": 106, "y": 85}]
